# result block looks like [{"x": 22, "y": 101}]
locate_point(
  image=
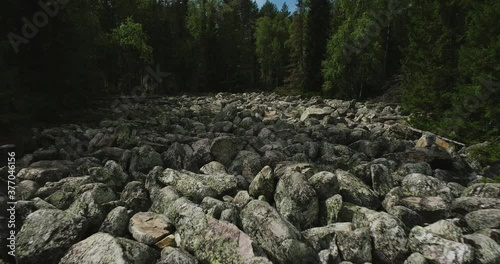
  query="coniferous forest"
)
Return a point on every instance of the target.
[
  {"x": 244, "y": 131},
  {"x": 438, "y": 59}
]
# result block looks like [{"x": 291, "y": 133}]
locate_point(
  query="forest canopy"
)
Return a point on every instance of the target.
[{"x": 438, "y": 59}]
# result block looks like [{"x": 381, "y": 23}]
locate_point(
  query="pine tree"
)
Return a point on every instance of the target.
[
  {"x": 318, "y": 32},
  {"x": 296, "y": 70}
]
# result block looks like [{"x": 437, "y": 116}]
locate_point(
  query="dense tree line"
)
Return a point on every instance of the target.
[{"x": 438, "y": 58}]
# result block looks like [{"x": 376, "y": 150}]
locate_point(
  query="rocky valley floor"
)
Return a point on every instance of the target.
[{"x": 251, "y": 178}]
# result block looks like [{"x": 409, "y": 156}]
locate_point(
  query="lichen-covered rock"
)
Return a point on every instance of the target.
[
  {"x": 491, "y": 233},
  {"x": 325, "y": 184},
  {"x": 417, "y": 184},
  {"x": 388, "y": 235},
  {"x": 170, "y": 255},
  {"x": 116, "y": 222},
  {"x": 47, "y": 234},
  {"x": 431, "y": 208},
  {"x": 92, "y": 204},
  {"x": 177, "y": 156},
  {"x": 486, "y": 190},
  {"x": 199, "y": 186},
  {"x": 279, "y": 238},
  {"x": 355, "y": 245},
  {"x": 246, "y": 163},
  {"x": 321, "y": 237},
  {"x": 447, "y": 229},
  {"x": 213, "y": 168},
  {"x": 210, "y": 239},
  {"x": 296, "y": 200},
  {"x": 481, "y": 219},
  {"x": 381, "y": 179},
  {"x": 135, "y": 197},
  {"x": 333, "y": 205},
  {"x": 26, "y": 189},
  {"x": 43, "y": 174},
  {"x": 263, "y": 184},
  {"x": 355, "y": 191},
  {"x": 487, "y": 251},
  {"x": 317, "y": 112},
  {"x": 163, "y": 202},
  {"x": 144, "y": 158},
  {"x": 104, "y": 248},
  {"x": 285, "y": 168},
  {"x": 415, "y": 258},
  {"x": 112, "y": 174},
  {"x": 465, "y": 205},
  {"x": 409, "y": 168},
  {"x": 437, "y": 249},
  {"x": 224, "y": 149}
]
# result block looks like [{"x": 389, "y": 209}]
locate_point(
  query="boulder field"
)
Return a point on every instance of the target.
[{"x": 251, "y": 178}]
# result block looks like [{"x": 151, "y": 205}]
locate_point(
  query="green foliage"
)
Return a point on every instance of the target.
[
  {"x": 297, "y": 68},
  {"x": 428, "y": 64},
  {"x": 355, "y": 57},
  {"x": 131, "y": 35},
  {"x": 318, "y": 32},
  {"x": 490, "y": 180},
  {"x": 451, "y": 70},
  {"x": 487, "y": 154},
  {"x": 271, "y": 34}
]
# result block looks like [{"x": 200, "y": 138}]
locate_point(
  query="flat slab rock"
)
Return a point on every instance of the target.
[{"x": 149, "y": 228}]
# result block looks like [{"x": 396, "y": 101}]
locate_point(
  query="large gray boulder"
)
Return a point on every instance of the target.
[
  {"x": 437, "y": 249},
  {"x": 321, "y": 237},
  {"x": 92, "y": 204},
  {"x": 199, "y": 186},
  {"x": 481, "y": 219},
  {"x": 171, "y": 255},
  {"x": 224, "y": 149},
  {"x": 487, "y": 251},
  {"x": 325, "y": 184},
  {"x": 387, "y": 233},
  {"x": 246, "y": 163},
  {"x": 177, "y": 156},
  {"x": 112, "y": 174},
  {"x": 45, "y": 171},
  {"x": 135, "y": 197},
  {"x": 104, "y": 248},
  {"x": 381, "y": 179},
  {"x": 46, "y": 235},
  {"x": 465, "y": 205},
  {"x": 355, "y": 246},
  {"x": 263, "y": 184},
  {"x": 278, "y": 237},
  {"x": 116, "y": 222},
  {"x": 353, "y": 190},
  {"x": 210, "y": 239},
  {"x": 296, "y": 200},
  {"x": 417, "y": 184},
  {"x": 447, "y": 229},
  {"x": 144, "y": 159},
  {"x": 486, "y": 190}
]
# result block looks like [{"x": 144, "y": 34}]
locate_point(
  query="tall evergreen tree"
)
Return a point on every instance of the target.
[
  {"x": 296, "y": 69},
  {"x": 318, "y": 30}
]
